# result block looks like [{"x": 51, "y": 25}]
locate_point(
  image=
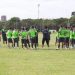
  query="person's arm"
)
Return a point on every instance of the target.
[{"x": 0, "y": 36}]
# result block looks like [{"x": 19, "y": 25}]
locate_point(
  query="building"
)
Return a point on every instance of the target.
[
  {"x": 3, "y": 18},
  {"x": 73, "y": 14}
]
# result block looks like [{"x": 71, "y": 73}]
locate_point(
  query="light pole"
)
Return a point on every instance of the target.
[
  {"x": 68, "y": 22},
  {"x": 38, "y": 10}
]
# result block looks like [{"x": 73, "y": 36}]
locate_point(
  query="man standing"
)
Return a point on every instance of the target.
[
  {"x": 24, "y": 38},
  {"x": 4, "y": 36},
  {"x": 61, "y": 37},
  {"x": 15, "y": 37},
  {"x": 36, "y": 36},
  {"x": 67, "y": 37},
  {"x": 73, "y": 38},
  {"x": 46, "y": 36},
  {"x": 9, "y": 37},
  {"x": 32, "y": 33}
]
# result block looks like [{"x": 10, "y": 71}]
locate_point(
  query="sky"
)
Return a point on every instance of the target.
[{"x": 48, "y": 9}]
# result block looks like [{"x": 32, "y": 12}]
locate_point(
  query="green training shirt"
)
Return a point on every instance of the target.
[
  {"x": 32, "y": 33},
  {"x": 15, "y": 34},
  {"x": 73, "y": 35},
  {"x": 67, "y": 33},
  {"x": 24, "y": 34},
  {"x": 9, "y": 34},
  {"x": 61, "y": 33}
]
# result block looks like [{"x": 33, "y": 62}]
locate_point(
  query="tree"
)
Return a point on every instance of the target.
[
  {"x": 72, "y": 21},
  {"x": 14, "y": 23}
]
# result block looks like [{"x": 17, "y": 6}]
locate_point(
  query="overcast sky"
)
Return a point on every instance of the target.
[{"x": 28, "y": 8}]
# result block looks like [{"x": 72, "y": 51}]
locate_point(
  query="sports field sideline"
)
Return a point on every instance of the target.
[{"x": 46, "y": 61}]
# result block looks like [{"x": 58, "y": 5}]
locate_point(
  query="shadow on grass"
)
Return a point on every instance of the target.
[{"x": 52, "y": 49}]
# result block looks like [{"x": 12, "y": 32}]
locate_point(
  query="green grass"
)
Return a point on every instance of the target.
[{"x": 47, "y": 61}]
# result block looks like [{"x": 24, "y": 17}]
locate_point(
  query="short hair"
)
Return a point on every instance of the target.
[
  {"x": 32, "y": 26},
  {"x": 46, "y": 27},
  {"x": 10, "y": 28},
  {"x": 22, "y": 28}
]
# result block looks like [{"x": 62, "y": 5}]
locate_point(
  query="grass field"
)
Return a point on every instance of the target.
[{"x": 47, "y": 61}]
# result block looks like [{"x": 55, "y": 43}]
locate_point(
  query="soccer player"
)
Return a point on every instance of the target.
[
  {"x": 9, "y": 37},
  {"x": 4, "y": 36},
  {"x": 15, "y": 37},
  {"x": 57, "y": 40},
  {"x": 67, "y": 37},
  {"x": 50, "y": 35},
  {"x": 36, "y": 36},
  {"x": 24, "y": 38},
  {"x": 28, "y": 39},
  {"x": 0, "y": 37},
  {"x": 32, "y": 33},
  {"x": 46, "y": 36},
  {"x": 73, "y": 38},
  {"x": 61, "y": 37}
]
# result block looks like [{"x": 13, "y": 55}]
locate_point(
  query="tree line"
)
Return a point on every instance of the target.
[{"x": 15, "y": 22}]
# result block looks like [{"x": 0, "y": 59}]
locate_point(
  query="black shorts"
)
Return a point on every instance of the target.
[
  {"x": 36, "y": 39},
  {"x": 67, "y": 40},
  {"x": 4, "y": 39},
  {"x": 15, "y": 39},
  {"x": 27, "y": 40},
  {"x": 9, "y": 40},
  {"x": 73, "y": 41},
  {"x": 70, "y": 40},
  {"x": 33, "y": 40},
  {"x": 45, "y": 39},
  {"x": 61, "y": 39},
  {"x": 23, "y": 41}
]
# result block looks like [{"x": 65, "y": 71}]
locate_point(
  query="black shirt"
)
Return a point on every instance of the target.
[{"x": 46, "y": 34}]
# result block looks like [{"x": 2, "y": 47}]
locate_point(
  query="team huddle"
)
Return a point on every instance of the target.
[
  {"x": 11, "y": 37},
  {"x": 66, "y": 37},
  {"x": 29, "y": 38}
]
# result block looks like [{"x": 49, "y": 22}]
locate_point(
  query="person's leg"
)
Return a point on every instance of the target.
[
  {"x": 67, "y": 42},
  {"x": 32, "y": 42},
  {"x": 11, "y": 42},
  {"x": 74, "y": 43},
  {"x": 17, "y": 41},
  {"x": 71, "y": 43},
  {"x": 25, "y": 43},
  {"x": 63, "y": 40},
  {"x": 35, "y": 42},
  {"x": 14, "y": 42},
  {"x": 3, "y": 41},
  {"x": 22, "y": 42},
  {"x": 63, "y": 44},
  {"x": 47, "y": 42},
  {"x": 0, "y": 37},
  {"x": 59, "y": 42},
  {"x": 43, "y": 40},
  {"x": 8, "y": 42},
  {"x": 28, "y": 42}
]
